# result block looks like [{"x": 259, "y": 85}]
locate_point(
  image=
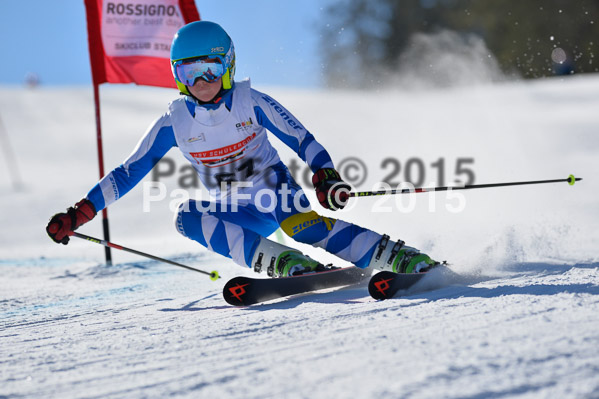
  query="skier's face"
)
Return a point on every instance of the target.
[{"x": 205, "y": 91}]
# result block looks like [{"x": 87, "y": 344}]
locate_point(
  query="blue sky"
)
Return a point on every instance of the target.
[{"x": 276, "y": 41}]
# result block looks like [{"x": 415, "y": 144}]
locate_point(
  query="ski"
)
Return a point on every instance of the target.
[
  {"x": 244, "y": 291},
  {"x": 387, "y": 284}
]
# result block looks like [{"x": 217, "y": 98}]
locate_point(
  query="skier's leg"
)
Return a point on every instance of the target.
[
  {"x": 235, "y": 235},
  {"x": 240, "y": 235},
  {"x": 355, "y": 244},
  {"x": 348, "y": 241},
  {"x": 358, "y": 245},
  {"x": 265, "y": 203}
]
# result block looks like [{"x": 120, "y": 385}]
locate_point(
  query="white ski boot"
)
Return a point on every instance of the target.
[
  {"x": 283, "y": 261},
  {"x": 399, "y": 258}
]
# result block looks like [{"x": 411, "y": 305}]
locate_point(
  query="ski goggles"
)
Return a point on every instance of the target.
[{"x": 208, "y": 68}]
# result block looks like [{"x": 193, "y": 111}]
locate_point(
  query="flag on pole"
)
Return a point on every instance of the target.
[{"x": 130, "y": 40}]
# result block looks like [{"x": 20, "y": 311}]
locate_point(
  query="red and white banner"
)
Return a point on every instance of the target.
[{"x": 130, "y": 40}]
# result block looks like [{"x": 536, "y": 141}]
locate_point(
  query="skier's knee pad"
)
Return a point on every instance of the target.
[
  {"x": 307, "y": 227},
  {"x": 189, "y": 213},
  {"x": 188, "y": 220},
  {"x": 182, "y": 209}
]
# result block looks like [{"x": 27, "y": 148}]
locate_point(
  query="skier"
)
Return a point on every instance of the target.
[{"x": 220, "y": 127}]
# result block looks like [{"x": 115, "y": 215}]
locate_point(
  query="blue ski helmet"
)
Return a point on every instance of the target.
[{"x": 203, "y": 38}]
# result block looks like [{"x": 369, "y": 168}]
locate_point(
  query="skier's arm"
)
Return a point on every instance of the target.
[
  {"x": 332, "y": 192},
  {"x": 155, "y": 143},
  {"x": 274, "y": 117},
  {"x": 151, "y": 148}
]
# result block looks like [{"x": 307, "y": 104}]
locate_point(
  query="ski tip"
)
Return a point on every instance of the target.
[
  {"x": 379, "y": 287},
  {"x": 235, "y": 291}
]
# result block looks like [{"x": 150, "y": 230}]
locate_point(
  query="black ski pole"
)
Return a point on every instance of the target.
[
  {"x": 570, "y": 180},
  {"x": 213, "y": 275}
]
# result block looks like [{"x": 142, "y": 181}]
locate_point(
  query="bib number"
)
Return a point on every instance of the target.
[{"x": 245, "y": 170}]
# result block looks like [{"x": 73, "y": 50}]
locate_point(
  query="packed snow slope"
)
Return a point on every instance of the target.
[{"x": 522, "y": 321}]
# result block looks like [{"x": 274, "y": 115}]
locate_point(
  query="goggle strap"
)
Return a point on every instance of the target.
[{"x": 227, "y": 80}]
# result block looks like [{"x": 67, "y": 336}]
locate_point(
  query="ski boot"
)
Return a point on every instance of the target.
[
  {"x": 399, "y": 258},
  {"x": 283, "y": 261}
]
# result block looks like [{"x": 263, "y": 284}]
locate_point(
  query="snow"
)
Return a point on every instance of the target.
[{"x": 521, "y": 321}]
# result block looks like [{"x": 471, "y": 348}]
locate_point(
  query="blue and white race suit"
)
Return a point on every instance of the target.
[{"x": 228, "y": 146}]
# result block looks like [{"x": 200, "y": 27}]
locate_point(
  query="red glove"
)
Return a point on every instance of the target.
[
  {"x": 61, "y": 225},
  {"x": 331, "y": 190}
]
